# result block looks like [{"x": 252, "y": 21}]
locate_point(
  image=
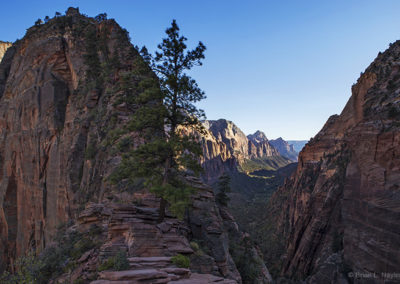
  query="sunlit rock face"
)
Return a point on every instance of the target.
[
  {"x": 226, "y": 147},
  {"x": 340, "y": 211},
  {"x": 3, "y": 48},
  {"x": 284, "y": 148}
]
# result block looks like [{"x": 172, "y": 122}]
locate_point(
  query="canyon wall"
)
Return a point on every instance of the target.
[
  {"x": 53, "y": 119},
  {"x": 227, "y": 148},
  {"x": 339, "y": 212}
]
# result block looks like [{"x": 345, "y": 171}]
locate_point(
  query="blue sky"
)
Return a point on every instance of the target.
[{"x": 282, "y": 67}]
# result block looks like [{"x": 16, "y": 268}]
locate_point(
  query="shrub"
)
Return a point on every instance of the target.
[
  {"x": 181, "y": 261},
  {"x": 28, "y": 270},
  {"x": 195, "y": 246},
  {"x": 81, "y": 247},
  {"x": 117, "y": 263}
]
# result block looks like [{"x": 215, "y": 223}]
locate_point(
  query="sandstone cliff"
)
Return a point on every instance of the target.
[
  {"x": 3, "y": 48},
  {"x": 339, "y": 213},
  {"x": 62, "y": 109},
  {"x": 226, "y": 148},
  {"x": 284, "y": 148},
  {"x": 55, "y": 117}
]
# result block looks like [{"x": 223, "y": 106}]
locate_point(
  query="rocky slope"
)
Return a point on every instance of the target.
[
  {"x": 62, "y": 110},
  {"x": 284, "y": 148},
  {"x": 131, "y": 226},
  {"x": 340, "y": 212},
  {"x": 3, "y": 48},
  {"x": 54, "y": 118},
  {"x": 226, "y": 148}
]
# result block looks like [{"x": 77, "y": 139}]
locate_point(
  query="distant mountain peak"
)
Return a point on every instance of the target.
[
  {"x": 258, "y": 137},
  {"x": 284, "y": 148}
]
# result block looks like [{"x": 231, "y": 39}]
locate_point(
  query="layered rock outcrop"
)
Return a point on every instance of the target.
[
  {"x": 340, "y": 212},
  {"x": 131, "y": 226}
]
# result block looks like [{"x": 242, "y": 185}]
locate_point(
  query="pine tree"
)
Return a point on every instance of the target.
[
  {"x": 38, "y": 22},
  {"x": 224, "y": 186},
  {"x": 165, "y": 116}
]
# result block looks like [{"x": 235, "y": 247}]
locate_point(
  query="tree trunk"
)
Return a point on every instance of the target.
[
  {"x": 163, "y": 205},
  {"x": 163, "y": 202}
]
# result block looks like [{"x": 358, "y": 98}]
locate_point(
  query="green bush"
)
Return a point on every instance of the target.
[
  {"x": 195, "y": 246},
  {"x": 116, "y": 263},
  {"x": 81, "y": 247},
  {"x": 53, "y": 261},
  {"x": 181, "y": 261},
  {"x": 28, "y": 270}
]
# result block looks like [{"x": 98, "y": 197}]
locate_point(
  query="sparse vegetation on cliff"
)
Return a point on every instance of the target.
[
  {"x": 54, "y": 260},
  {"x": 117, "y": 263}
]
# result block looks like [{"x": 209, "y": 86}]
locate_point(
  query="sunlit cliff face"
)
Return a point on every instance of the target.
[{"x": 3, "y": 48}]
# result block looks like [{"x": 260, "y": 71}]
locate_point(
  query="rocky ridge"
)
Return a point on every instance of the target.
[
  {"x": 339, "y": 213},
  {"x": 132, "y": 227},
  {"x": 60, "y": 131},
  {"x": 53, "y": 121},
  {"x": 226, "y": 148}
]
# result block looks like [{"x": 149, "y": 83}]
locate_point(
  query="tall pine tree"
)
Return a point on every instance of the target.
[
  {"x": 224, "y": 187},
  {"x": 171, "y": 149}
]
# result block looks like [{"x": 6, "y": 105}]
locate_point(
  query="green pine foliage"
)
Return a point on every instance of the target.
[
  {"x": 224, "y": 187},
  {"x": 164, "y": 116}
]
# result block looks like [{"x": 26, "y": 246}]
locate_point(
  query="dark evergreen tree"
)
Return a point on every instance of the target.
[
  {"x": 224, "y": 187},
  {"x": 101, "y": 17},
  {"x": 166, "y": 118}
]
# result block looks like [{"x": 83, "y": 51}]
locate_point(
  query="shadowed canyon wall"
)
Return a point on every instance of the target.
[
  {"x": 340, "y": 212},
  {"x": 54, "y": 116}
]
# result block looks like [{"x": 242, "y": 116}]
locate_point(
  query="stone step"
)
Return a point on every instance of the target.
[
  {"x": 150, "y": 259},
  {"x": 149, "y": 262},
  {"x": 163, "y": 275},
  {"x": 137, "y": 275},
  {"x": 196, "y": 278}
]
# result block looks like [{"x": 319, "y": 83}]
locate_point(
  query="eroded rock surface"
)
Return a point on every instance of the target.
[
  {"x": 150, "y": 246},
  {"x": 226, "y": 148},
  {"x": 53, "y": 119},
  {"x": 340, "y": 211}
]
